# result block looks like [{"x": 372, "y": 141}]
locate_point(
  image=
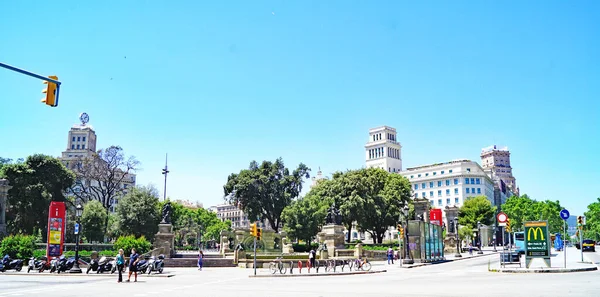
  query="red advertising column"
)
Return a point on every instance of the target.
[
  {"x": 435, "y": 216},
  {"x": 56, "y": 229}
]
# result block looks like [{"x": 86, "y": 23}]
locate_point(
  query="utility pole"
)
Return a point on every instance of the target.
[{"x": 165, "y": 171}]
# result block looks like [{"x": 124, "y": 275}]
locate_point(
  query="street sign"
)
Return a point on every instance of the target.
[
  {"x": 564, "y": 214},
  {"x": 502, "y": 217},
  {"x": 76, "y": 228},
  {"x": 537, "y": 242}
]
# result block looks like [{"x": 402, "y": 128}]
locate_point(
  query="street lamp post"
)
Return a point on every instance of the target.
[
  {"x": 458, "y": 255},
  {"x": 479, "y": 252},
  {"x": 78, "y": 213},
  {"x": 407, "y": 259}
]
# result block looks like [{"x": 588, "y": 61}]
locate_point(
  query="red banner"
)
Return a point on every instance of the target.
[
  {"x": 435, "y": 216},
  {"x": 56, "y": 229}
]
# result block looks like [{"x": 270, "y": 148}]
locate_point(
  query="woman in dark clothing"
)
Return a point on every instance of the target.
[{"x": 133, "y": 259}]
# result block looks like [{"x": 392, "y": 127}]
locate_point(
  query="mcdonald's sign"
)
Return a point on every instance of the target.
[{"x": 537, "y": 244}]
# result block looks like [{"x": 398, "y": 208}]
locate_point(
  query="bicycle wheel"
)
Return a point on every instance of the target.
[
  {"x": 328, "y": 266},
  {"x": 272, "y": 268},
  {"x": 317, "y": 265},
  {"x": 282, "y": 268},
  {"x": 366, "y": 266}
]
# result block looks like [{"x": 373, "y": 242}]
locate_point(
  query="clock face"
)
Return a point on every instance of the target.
[{"x": 84, "y": 118}]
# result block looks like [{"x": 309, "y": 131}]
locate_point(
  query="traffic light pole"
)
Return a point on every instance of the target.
[
  {"x": 254, "y": 255},
  {"x": 34, "y": 75}
]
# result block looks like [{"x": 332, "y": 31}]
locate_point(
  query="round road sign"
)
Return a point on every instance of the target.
[
  {"x": 502, "y": 217},
  {"x": 564, "y": 214}
]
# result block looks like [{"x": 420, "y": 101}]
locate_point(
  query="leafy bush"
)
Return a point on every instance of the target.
[
  {"x": 18, "y": 246},
  {"x": 141, "y": 245},
  {"x": 303, "y": 248}
]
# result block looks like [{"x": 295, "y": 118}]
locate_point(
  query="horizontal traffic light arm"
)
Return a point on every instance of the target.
[{"x": 30, "y": 74}]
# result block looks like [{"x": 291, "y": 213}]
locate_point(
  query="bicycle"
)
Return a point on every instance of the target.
[
  {"x": 363, "y": 265},
  {"x": 277, "y": 265}
]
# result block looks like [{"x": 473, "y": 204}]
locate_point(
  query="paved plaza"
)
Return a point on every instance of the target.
[{"x": 469, "y": 277}]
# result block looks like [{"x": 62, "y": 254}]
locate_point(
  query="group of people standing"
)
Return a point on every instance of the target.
[{"x": 134, "y": 258}]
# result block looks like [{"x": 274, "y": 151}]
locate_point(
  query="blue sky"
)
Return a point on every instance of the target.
[{"x": 218, "y": 84}]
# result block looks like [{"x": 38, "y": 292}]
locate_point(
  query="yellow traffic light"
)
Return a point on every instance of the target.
[
  {"x": 50, "y": 92},
  {"x": 401, "y": 232},
  {"x": 253, "y": 229},
  {"x": 399, "y": 227},
  {"x": 258, "y": 233}
]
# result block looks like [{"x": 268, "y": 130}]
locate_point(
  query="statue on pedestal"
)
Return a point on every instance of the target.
[
  {"x": 166, "y": 213},
  {"x": 333, "y": 216}
]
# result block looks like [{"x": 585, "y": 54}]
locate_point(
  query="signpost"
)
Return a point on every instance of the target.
[
  {"x": 564, "y": 214},
  {"x": 502, "y": 219},
  {"x": 76, "y": 229},
  {"x": 56, "y": 229},
  {"x": 537, "y": 242}
]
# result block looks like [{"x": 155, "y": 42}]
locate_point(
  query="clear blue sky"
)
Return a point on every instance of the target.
[{"x": 218, "y": 84}]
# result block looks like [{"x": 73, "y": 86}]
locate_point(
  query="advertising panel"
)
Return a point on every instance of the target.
[
  {"x": 435, "y": 216},
  {"x": 56, "y": 229},
  {"x": 537, "y": 241}
]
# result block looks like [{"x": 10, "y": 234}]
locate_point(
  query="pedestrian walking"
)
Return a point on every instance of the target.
[
  {"x": 133, "y": 259},
  {"x": 390, "y": 255},
  {"x": 311, "y": 257},
  {"x": 200, "y": 258},
  {"x": 120, "y": 263},
  {"x": 470, "y": 249}
]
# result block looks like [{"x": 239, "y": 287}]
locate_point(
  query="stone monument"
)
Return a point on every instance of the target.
[
  {"x": 4, "y": 187},
  {"x": 164, "y": 238},
  {"x": 421, "y": 209},
  {"x": 450, "y": 240},
  {"x": 332, "y": 234}
]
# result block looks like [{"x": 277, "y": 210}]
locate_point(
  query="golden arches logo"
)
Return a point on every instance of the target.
[{"x": 535, "y": 232}]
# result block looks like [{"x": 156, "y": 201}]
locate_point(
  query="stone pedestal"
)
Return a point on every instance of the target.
[
  {"x": 163, "y": 240},
  {"x": 421, "y": 208},
  {"x": 358, "y": 251},
  {"x": 333, "y": 237},
  {"x": 224, "y": 243},
  {"x": 4, "y": 187},
  {"x": 286, "y": 246}
]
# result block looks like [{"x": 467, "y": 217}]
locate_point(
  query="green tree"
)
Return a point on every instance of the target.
[
  {"x": 522, "y": 208},
  {"x": 304, "y": 217},
  {"x": 138, "y": 212},
  {"x": 92, "y": 221},
  {"x": 592, "y": 217},
  {"x": 264, "y": 190},
  {"x": 35, "y": 182},
  {"x": 384, "y": 196},
  {"x": 476, "y": 209}
]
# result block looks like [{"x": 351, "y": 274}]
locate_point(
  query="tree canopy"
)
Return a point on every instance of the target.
[
  {"x": 305, "y": 216},
  {"x": 263, "y": 191},
  {"x": 138, "y": 212},
  {"x": 592, "y": 216},
  {"x": 188, "y": 223},
  {"x": 35, "y": 182},
  {"x": 476, "y": 209},
  {"x": 92, "y": 221},
  {"x": 522, "y": 208},
  {"x": 372, "y": 197}
]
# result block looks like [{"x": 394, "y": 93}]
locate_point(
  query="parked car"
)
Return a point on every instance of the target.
[{"x": 589, "y": 245}]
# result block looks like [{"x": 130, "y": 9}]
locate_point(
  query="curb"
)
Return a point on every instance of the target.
[
  {"x": 446, "y": 261},
  {"x": 162, "y": 275},
  {"x": 316, "y": 274},
  {"x": 545, "y": 270}
]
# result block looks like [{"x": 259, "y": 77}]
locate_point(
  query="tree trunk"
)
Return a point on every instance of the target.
[
  {"x": 349, "y": 227},
  {"x": 380, "y": 237}
]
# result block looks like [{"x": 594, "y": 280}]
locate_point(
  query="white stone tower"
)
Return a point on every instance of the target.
[{"x": 383, "y": 150}]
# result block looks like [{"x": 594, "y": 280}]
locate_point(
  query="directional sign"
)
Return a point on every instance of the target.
[
  {"x": 502, "y": 217},
  {"x": 564, "y": 214},
  {"x": 76, "y": 228}
]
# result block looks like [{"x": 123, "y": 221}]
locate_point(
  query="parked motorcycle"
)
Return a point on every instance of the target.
[
  {"x": 93, "y": 266},
  {"x": 39, "y": 265},
  {"x": 64, "y": 264},
  {"x": 114, "y": 267},
  {"x": 156, "y": 264},
  {"x": 105, "y": 264},
  {"x": 53, "y": 264},
  {"x": 9, "y": 264},
  {"x": 142, "y": 266}
]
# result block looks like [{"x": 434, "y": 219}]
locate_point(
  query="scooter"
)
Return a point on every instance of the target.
[
  {"x": 156, "y": 264},
  {"x": 9, "y": 264},
  {"x": 142, "y": 266},
  {"x": 114, "y": 267},
  {"x": 65, "y": 264},
  {"x": 93, "y": 266},
  {"x": 53, "y": 264},
  {"x": 39, "y": 265},
  {"x": 104, "y": 264}
]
